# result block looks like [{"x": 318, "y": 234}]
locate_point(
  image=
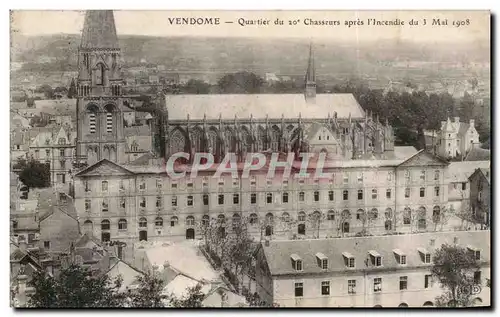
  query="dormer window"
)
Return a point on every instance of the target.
[
  {"x": 475, "y": 252},
  {"x": 322, "y": 260},
  {"x": 349, "y": 260},
  {"x": 400, "y": 256},
  {"x": 425, "y": 255},
  {"x": 296, "y": 262},
  {"x": 376, "y": 258},
  {"x": 253, "y": 181}
]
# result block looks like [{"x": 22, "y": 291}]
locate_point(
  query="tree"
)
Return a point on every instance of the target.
[
  {"x": 72, "y": 92},
  {"x": 149, "y": 293},
  {"x": 454, "y": 268},
  {"x": 316, "y": 219},
  {"x": 241, "y": 82},
  {"x": 196, "y": 86},
  {"x": 193, "y": 298},
  {"x": 75, "y": 287},
  {"x": 46, "y": 90},
  {"x": 35, "y": 174}
]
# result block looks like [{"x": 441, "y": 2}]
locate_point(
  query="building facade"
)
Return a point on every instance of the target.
[
  {"x": 390, "y": 271},
  {"x": 456, "y": 138},
  {"x": 131, "y": 202},
  {"x": 480, "y": 199}
]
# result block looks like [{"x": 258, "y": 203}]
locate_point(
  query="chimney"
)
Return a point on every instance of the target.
[
  {"x": 471, "y": 123},
  {"x": 456, "y": 119}
]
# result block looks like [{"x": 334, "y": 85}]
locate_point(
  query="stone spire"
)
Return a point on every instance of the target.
[
  {"x": 99, "y": 30},
  {"x": 310, "y": 80}
]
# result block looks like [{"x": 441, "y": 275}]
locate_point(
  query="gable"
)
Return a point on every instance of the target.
[
  {"x": 104, "y": 168},
  {"x": 423, "y": 158},
  {"x": 322, "y": 135}
]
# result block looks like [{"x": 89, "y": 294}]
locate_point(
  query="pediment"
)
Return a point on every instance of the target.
[
  {"x": 423, "y": 158},
  {"x": 104, "y": 167}
]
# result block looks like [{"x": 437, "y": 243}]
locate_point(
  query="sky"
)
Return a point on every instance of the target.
[{"x": 156, "y": 23}]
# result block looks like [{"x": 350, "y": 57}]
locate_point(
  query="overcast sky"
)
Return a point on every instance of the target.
[{"x": 156, "y": 23}]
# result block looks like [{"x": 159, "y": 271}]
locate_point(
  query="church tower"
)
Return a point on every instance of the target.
[
  {"x": 310, "y": 81},
  {"x": 99, "y": 105}
]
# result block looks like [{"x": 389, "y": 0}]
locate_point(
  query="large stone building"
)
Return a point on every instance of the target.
[
  {"x": 372, "y": 188},
  {"x": 390, "y": 271}
]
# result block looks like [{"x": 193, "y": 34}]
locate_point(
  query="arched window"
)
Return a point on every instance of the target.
[
  {"x": 407, "y": 216},
  {"x": 158, "y": 222},
  {"x": 360, "y": 214},
  {"x": 88, "y": 226},
  {"x": 428, "y": 304},
  {"x": 254, "y": 219},
  {"x": 331, "y": 215},
  {"x": 269, "y": 218},
  {"x": 92, "y": 118},
  {"x": 174, "y": 221},
  {"x": 190, "y": 221},
  {"x": 286, "y": 217},
  {"x": 122, "y": 224},
  {"x": 143, "y": 222},
  {"x": 177, "y": 142},
  {"x": 436, "y": 214},
  {"x": 346, "y": 214},
  {"x": 205, "y": 220},
  {"x": 99, "y": 75},
  {"x": 105, "y": 225},
  {"x": 236, "y": 220},
  {"x": 302, "y": 216},
  {"x": 221, "y": 219},
  {"x": 388, "y": 213},
  {"x": 345, "y": 227},
  {"x": 374, "y": 214},
  {"x": 403, "y": 305}
]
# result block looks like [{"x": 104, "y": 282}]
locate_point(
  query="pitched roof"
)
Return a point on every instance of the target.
[
  {"x": 278, "y": 253},
  {"x": 478, "y": 154},
  {"x": 102, "y": 167},
  {"x": 99, "y": 30},
  {"x": 260, "y": 106},
  {"x": 461, "y": 171},
  {"x": 463, "y": 128},
  {"x": 423, "y": 158},
  {"x": 484, "y": 172}
]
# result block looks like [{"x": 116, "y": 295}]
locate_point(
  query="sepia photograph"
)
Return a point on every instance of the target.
[{"x": 249, "y": 159}]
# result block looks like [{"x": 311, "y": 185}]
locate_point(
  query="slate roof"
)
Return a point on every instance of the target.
[
  {"x": 261, "y": 105},
  {"x": 99, "y": 30},
  {"x": 278, "y": 253},
  {"x": 459, "y": 172},
  {"x": 478, "y": 154}
]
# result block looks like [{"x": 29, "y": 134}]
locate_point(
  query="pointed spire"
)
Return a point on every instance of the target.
[
  {"x": 311, "y": 70},
  {"x": 99, "y": 30}
]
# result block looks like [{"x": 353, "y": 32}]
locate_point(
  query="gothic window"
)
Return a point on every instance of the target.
[
  {"x": 275, "y": 138},
  {"x": 177, "y": 142},
  {"x": 99, "y": 75},
  {"x": 198, "y": 141},
  {"x": 407, "y": 216}
]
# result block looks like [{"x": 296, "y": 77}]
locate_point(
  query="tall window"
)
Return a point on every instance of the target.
[
  {"x": 174, "y": 201},
  {"x": 436, "y": 175},
  {"x": 253, "y": 198},
  {"x": 105, "y": 205},
  {"x": 360, "y": 194},
  {"x": 285, "y": 198},
  {"x": 205, "y": 200},
  {"x": 190, "y": 200},
  {"x": 377, "y": 285},
  {"x": 325, "y": 288},
  {"x": 388, "y": 193},
  {"x": 407, "y": 192},
  {"x": 422, "y": 175},
  {"x": 403, "y": 283},
  {"x": 422, "y": 192},
  {"x": 236, "y": 199},
  {"x": 331, "y": 195},
  {"x": 374, "y": 194},
  {"x": 407, "y": 176},
  {"x": 299, "y": 289},
  {"x": 269, "y": 198},
  {"x": 345, "y": 195},
  {"x": 302, "y": 196},
  {"x": 92, "y": 122},
  {"x": 99, "y": 76},
  {"x": 122, "y": 224},
  {"x": 316, "y": 196},
  {"x": 104, "y": 186},
  {"x": 436, "y": 191},
  {"x": 109, "y": 122},
  {"x": 351, "y": 286}
]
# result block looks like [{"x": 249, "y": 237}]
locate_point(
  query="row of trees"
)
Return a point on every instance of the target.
[{"x": 76, "y": 287}]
